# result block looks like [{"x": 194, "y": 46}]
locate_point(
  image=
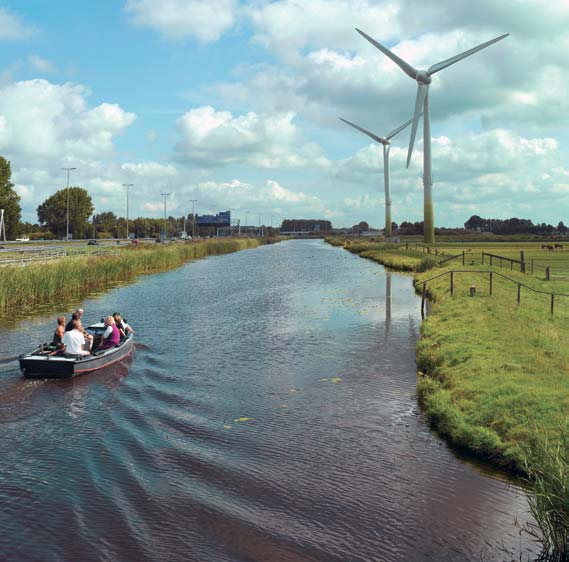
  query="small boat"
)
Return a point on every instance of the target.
[{"x": 44, "y": 363}]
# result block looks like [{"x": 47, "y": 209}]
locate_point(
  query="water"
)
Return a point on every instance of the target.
[{"x": 269, "y": 414}]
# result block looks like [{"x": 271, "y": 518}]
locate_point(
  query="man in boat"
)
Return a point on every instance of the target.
[
  {"x": 112, "y": 336},
  {"x": 77, "y": 315},
  {"x": 74, "y": 341}
]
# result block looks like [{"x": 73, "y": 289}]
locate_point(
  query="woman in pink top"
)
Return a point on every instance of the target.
[{"x": 112, "y": 336}]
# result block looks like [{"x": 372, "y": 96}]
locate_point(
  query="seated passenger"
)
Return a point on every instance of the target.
[
  {"x": 74, "y": 340},
  {"x": 122, "y": 325},
  {"x": 58, "y": 334},
  {"x": 112, "y": 336},
  {"x": 77, "y": 315}
]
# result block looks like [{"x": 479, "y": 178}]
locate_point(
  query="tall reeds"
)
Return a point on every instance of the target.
[
  {"x": 546, "y": 462},
  {"x": 41, "y": 284}
]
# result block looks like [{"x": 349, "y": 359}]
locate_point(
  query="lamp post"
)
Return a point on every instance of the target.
[
  {"x": 164, "y": 195},
  {"x": 67, "y": 229},
  {"x": 127, "y": 185},
  {"x": 193, "y": 202}
]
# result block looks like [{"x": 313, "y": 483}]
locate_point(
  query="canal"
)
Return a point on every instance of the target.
[{"x": 269, "y": 414}]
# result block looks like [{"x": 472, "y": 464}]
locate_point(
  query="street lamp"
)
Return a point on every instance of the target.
[
  {"x": 67, "y": 230},
  {"x": 164, "y": 195},
  {"x": 127, "y": 185},
  {"x": 193, "y": 202}
]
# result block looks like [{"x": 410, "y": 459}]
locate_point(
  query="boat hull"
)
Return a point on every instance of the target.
[{"x": 61, "y": 367}]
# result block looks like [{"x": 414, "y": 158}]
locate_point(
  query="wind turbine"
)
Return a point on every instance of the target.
[
  {"x": 423, "y": 78},
  {"x": 386, "y": 146}
]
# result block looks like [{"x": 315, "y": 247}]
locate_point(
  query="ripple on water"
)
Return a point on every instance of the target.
[{"x": 269, "y": 415}]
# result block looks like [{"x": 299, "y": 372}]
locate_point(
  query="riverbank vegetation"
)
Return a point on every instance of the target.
[
  {"x": 390, "y": 255},
  {"x": 25, "y": 288},
  {"x": 494, "y": 372}
]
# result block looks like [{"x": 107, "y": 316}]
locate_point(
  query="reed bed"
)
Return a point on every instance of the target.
[{"x": 41, "y": 284}]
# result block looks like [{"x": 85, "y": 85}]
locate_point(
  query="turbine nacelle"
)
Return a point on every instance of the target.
[{"x": 423, "y": 77}]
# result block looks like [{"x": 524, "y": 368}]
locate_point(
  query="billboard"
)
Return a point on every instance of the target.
[{"x": 221, "y": 219}]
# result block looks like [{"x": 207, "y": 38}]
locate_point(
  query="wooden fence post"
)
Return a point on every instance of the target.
[
  {"x": 532, "y": 266},
  {"x": 519, "y": 291},
  {"x": 522, "y": 255},
  {"x": 406, "y": 246},
  {"x": 552, "y": 302},
  {"x": 523, "y": 267},
  {"x": 547, "y": 273},
  {"x": 423, "y": 296},
  {"x": 490, "y": 283},
  {"x": 482, "y": 257},
  {"x": 451, "y": 283},
  {"x": 462, "y": 257}
]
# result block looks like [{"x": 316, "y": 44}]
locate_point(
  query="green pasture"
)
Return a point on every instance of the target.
[{"x": 494, "y": 367}]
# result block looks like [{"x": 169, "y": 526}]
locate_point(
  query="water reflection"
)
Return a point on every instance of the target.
[{"x": 269, "y": 414}]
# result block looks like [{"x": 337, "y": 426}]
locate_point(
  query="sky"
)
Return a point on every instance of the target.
[{"x": 235, "y": 104}]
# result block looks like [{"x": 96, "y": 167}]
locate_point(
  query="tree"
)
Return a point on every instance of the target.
[
  {"x": 9, "y": 200},
  {"x": 361, "y": 227},
  {"x": 53, "y": 212}
]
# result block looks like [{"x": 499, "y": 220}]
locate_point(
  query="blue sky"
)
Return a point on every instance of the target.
[{"x": 236, "y": 104}]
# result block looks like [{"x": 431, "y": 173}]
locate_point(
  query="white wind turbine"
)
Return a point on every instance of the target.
[
  {"x": 423, "y": 78},
  {"x": 384, "y": 141}
]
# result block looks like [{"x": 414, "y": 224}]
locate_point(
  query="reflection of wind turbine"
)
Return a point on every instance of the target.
[
  {"x": 387, "y": 304},
  {"x": 386, "y": 146},
  {"x": 423, "y": 78}
]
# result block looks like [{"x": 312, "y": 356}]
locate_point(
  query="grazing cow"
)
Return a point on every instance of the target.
[
  {"x": 560, "y": 246},
  {"x": 546, "y": 247}
]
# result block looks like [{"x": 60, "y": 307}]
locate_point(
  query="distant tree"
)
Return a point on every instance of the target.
[
  {"x": 561, "y": 228},
  {"x": 105, "y": 223},
  {"x": 361, "y": 227},
  {"x": 302, "y": 225},
  {"x": 475, "y": 223},
  {"x": 53, "y": 212},
  {"x": 9, "y": 200}
]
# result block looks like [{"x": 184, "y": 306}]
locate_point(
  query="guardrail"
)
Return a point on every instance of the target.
[{"x": 491, "y": 274}]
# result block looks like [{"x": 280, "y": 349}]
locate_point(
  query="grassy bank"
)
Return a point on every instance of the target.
[
  {"x": 494, "y": 374},
  {"x": 41, "y": 284},
  {"x": 389, "y": 255}
]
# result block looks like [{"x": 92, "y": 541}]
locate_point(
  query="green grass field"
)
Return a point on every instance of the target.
[{"x": 494, "y": 372}]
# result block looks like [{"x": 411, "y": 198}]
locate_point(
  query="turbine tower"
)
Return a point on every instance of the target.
[
  {"x": 423, "y": 78},
  {"x": 384, "y": 141}
]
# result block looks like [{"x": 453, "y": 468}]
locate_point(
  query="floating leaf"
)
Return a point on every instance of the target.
[
  {"x": 239, "y": 420},
  {"x": 226, "y": 426},
  {"x": 336, "y": 379},
  {"x": 324, "y": 379}
]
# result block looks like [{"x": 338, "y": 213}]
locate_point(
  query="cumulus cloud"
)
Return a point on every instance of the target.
[
  {"x": 42, "y": 120},
  {"x": 179, "y": 19},
  {"x": 217, "y": 138}
]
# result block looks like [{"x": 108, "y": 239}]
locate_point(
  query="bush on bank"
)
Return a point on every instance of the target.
[{"x": 41, "y": 284}]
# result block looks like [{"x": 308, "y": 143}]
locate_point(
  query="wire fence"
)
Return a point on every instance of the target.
[
  {"x": 28, "y": 256},
  {"x": 552, "y": 296}
]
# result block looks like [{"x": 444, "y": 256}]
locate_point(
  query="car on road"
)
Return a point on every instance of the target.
[
  {"x": 135, "y": 241},
  {"x": 92, "y": 243}
]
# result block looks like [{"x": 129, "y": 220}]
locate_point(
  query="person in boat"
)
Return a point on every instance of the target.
[
  {"x": 56, "y": 343},
  {"x": 112, "y": 336},
  {"x": 122, "y": 325},
  {"x": 74, "y": 341},
  {"x": 77, "y": 315}
]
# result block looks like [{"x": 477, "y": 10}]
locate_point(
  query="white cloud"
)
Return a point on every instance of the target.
[
  {"x": 12, "y": 28},
  {"x": 40, "y": 64},
  {"x": 42, "y": 120},
  {"x": 179, "y": 19},
  {"x": 217, "y": 138}
]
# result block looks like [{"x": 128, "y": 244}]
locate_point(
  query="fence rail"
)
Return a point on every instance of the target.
[{"x": 491, "y": 274}]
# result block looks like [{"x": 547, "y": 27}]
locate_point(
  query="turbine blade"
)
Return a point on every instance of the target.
[
  {"x": 406, "y": 67},
  {"x": 368, "y": 133},
  {"x": 421, "y": 93},
  {"x": 452, "y": 60},
  {"x": 400, "y": 128}
]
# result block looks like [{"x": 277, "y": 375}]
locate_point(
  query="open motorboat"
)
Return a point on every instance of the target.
[{"x": 44, "y": 363}]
